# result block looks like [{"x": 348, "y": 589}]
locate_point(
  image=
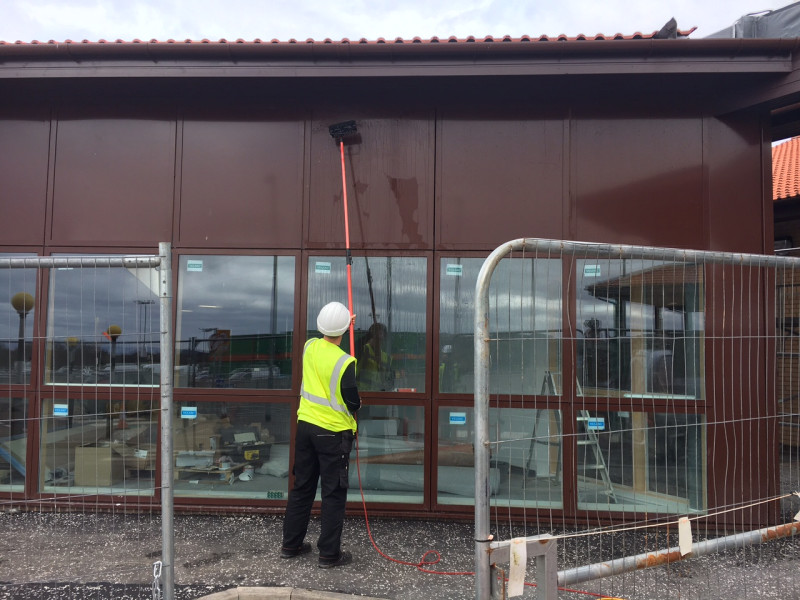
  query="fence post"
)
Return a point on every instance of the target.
[
  {"x": 481, "y": 415},
  {"x": 167, "y": 491}
]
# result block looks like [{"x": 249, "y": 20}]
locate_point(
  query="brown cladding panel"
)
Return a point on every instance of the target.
[
  {"x": 500, "y": 180},
  {"x": 114, "y": 179},
  {"x": 242, "y": 183},
  {"x": 736, "y": 210},
  {"x": 24, "y": 145},
  {"x": 389, "y": 166},
  {"x": 639, "y": 181}
]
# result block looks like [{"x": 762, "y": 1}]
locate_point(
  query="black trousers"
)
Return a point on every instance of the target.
[{"x": 319, "y": 454}]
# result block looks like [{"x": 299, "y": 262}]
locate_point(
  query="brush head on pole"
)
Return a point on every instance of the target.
[{"x": 340, "y": 131}]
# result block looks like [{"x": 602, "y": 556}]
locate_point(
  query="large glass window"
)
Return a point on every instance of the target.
[
  {"x": 388, "y": 460},
  {"x": 526, "y": 457},
  {"x": 235, "y": 322},
  {"x": 16, "y": 322},
  {"x": 640, "y": 462},
  {"x": 103, "y": 326},
  {"x": 232, "y": 449},
  {"x": 93, "y": 446},
  {"x": 640, "y": 328},
  {"x": 389, "y": 300},
  {"x": 524, "y": 320},
  {"x": 13, "y": 442}
]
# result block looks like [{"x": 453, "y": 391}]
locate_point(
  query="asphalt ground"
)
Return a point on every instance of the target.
[{"x": 110, "y": 556}]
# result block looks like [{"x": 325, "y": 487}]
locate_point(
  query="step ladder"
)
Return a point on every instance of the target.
[{"x": 592, "y": 441}]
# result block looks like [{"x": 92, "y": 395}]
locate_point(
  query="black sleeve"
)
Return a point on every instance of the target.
[{"x": 349, "y": 388}]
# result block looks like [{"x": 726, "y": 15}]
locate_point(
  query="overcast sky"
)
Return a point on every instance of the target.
[{"x": 59, "y": 20}]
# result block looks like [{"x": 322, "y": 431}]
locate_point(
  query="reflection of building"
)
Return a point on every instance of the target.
[
  {"x": 659, "y": 352},
  {"x": 250, "y": 197}
]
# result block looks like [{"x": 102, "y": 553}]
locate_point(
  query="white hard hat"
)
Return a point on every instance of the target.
[{"x": 333, "y": 319}]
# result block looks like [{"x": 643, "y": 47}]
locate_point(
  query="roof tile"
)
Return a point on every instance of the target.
[
  {"x": 786, "y": 170},
  {"x": 488, "y": 39}
]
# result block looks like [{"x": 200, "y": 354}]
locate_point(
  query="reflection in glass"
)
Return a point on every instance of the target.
[
  {"x": 389, "y": 300},
  {"x": 391, "y": 451},
  {"x": 16, "y": 322},
  {"x": 232, "y": 449},
  {"x": 525, "y": 317},
  {"x": 95, "y": 446},
  {"x": 13, "y": 443},
  {"x": 645, "y": 462},
  {"x": 103, "y": 326},
  {"x": 235, "y": 322},
  {"x": 526, "y": 464},
  {"x": 640, "y": 328}
]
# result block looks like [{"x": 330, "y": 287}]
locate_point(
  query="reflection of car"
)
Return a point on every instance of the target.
[
  {"x": 257, "y": 377},
  {"x": 125, "y": 373}
]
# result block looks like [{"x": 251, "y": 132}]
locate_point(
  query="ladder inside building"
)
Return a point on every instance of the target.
[
  {"x": 592, "y": 442},
  {"x": 589, "y": 438}
]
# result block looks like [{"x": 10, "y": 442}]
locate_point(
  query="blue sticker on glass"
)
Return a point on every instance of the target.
[
  {"x": 458, "y": 418},
  {"x": 188, "y": 412}
]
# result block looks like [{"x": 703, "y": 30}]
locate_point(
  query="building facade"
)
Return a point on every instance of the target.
[{"x": 223, "y": 149}]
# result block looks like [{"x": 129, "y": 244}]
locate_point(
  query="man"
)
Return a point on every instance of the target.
[
  {"x": 375, "y": 369},
  {"x": 325, "y": 431}
]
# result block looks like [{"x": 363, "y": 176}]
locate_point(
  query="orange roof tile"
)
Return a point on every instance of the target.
[
  {"x": 362, "y": 41},
  {"x": 786, "y": 169}
]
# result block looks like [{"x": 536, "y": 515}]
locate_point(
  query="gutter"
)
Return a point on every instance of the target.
[{"x": 396, "y": 59}]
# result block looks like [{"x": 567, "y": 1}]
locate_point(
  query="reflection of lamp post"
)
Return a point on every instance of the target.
[
  {"x": 22, "y": 303},
  {"x": 112, "y": 333},
  {"x": 143, "y": 319},
  {"x": 72, "y": 343}
]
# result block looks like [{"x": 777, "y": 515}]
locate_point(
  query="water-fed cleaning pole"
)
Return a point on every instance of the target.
[{"x": 338, "y": 132}]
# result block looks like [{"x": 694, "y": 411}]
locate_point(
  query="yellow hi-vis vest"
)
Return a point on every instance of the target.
[{"x": 321, "y": 401}]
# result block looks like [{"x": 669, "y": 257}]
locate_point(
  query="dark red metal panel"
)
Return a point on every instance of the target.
[
  {"x": 499, "y": 179},
  {"x": 389, "y": 168},
  {"x": 639, "y": 181},
  {"x": 735, "y": 184},
  {"x": 114, "y": 177},
  {"x": 242, "y": 182},
  {"x": 24, "y": 144}
]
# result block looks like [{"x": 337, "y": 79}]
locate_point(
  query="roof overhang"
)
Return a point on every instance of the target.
[{"x": 408, "y": 59}]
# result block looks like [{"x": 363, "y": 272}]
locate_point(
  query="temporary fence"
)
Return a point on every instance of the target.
[
  {"x": 86, "y": 415},
  {"x": 635, "y": 406}
]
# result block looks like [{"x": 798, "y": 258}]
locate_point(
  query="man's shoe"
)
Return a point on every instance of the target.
[
  {"x": 292, "y": 552},
  {"x": 345, "y": 558}
]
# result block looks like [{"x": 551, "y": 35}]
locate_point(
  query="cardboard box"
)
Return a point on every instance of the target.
[
  {"x": 195, "y": 434},
  {"x": 97, "y": 467}
]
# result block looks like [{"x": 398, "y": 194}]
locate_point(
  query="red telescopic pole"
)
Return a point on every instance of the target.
[{"x": 347, "y": 247}]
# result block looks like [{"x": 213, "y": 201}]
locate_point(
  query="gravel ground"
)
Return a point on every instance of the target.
[{"x": 110, "y": 556}]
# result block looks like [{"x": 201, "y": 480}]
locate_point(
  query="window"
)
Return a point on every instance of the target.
[
  {"x": 103, "y": 326},
  {"x": 390, "y": 454},
  {"x": 13, "y": 442},
  {"x": 525, "y": 320},
  {"x": 640, "y": 329},
  {"x": 525, "y": 468},
  {"x": 389, "y": 300},
  {"x": 232, "y": 449},
  {"x": 235, "y": 322},
  {"x": 16, "y": 322},
  {"x": 90, "y": 445},
  {"x": 640, "y": 462}
]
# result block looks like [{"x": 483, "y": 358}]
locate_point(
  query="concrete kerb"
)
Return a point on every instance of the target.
[{"x": 280, "y": 593}]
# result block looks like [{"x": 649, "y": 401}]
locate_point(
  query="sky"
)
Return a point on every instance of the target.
[{"x": 93, "y": 20}]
